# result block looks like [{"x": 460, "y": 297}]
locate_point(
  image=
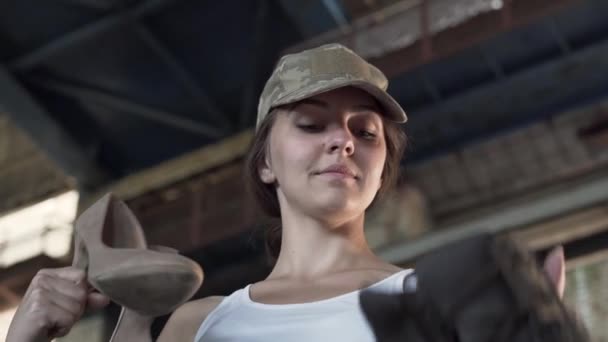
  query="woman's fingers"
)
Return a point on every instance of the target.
[
  {"x": 54, "y": 301},
  {"x": 45, "y": 314},
  {"x": 555, "y": 267},
  {"x": 96, "y": 301},
  {"x": 68, "y": 273},
  {"x": 68, "y": 304},
  {"x": 60, "y": 321},
  {"x": 66, "y": 287},
  {"x": 74, "y": 285}
]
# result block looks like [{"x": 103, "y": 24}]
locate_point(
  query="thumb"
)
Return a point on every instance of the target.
[
  {"x": 555, "y": 267},
  {"x": 96, "y": 301}
]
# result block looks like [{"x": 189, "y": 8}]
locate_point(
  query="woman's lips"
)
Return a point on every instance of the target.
[
  {"x": 337, "y": 174},
  {"x": 339, "y": 170}
]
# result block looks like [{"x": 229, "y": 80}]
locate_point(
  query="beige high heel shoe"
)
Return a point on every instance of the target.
[
  {"x": 132, "y": 326},
  {"x": 110, "y": 245}
]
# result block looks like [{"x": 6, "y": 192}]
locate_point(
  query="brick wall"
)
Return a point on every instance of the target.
[
  {"x": 511, "y": 164},
  {"x": 199, "y": 211}
]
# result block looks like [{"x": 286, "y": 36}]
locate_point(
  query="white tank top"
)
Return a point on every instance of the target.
[{"x": 238, "y": 318}]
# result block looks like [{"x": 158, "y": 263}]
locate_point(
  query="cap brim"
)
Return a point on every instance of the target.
[{"x": 392, "y": 109}]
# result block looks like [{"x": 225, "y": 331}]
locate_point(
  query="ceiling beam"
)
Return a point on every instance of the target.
[
  {"x": 184, "y": 77},
  {"x": 359, "y": 8},
  {"x": 86, "y": 33},
  {"x": 368, "y": 34},
  {"x": 86, "y": 94},
  {"x": 47, "y": 133},
  {"x": 92, "y": 4},
  {"x": 474, "y": 31},
  {"x": 559, "y": 37},
  {"x": 338, "y": 14},
  {"x": 527, "y": 96},
  {"x": 311, "y": 18},
  {"x": 545, "y": 205},
  {"x": 261, "y": 64},
  {"x": 492, "y": 63},
  {"x": 177, "y": 169},
  {"x": 411, "y": 36}
]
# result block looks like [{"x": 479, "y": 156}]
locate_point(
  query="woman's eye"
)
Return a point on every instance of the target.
[
  {"x": 367, "y": 134},
  {"x": 310, "y": 127}
]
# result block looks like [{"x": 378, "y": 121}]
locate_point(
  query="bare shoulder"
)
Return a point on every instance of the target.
[
  {"x": 185, "y": 321},
  {"x": 386, "y": 268}
]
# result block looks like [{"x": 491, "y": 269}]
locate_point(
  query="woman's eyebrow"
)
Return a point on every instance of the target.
[
  {"x": 324, "y": 105},
  {"x": 314, "y": 102},
  {"x": 367, "y": 107}
]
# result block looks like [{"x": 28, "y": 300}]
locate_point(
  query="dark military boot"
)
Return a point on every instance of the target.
[{"x": 482, "y": 289}]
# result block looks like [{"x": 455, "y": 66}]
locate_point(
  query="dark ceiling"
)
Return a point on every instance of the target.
[
  {"x": 109, "y": 87},
  {"x": 135, "y": 83}
]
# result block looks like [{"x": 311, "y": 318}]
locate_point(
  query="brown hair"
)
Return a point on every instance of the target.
[{"x": 265, "y": 196}]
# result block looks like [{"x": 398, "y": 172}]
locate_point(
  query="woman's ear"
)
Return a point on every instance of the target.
[{"x": 265, "y": 172}]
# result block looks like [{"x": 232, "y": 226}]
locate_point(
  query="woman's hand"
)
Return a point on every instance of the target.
[
  {"x": 55, "y": 300},
  {"x": 555, "y": 267}
]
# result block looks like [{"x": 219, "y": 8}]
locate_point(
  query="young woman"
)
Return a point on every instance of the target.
[{"x": 328, "y": 142}]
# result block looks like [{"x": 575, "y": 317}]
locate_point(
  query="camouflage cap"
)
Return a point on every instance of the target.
[{"x": 324, "y": 68}]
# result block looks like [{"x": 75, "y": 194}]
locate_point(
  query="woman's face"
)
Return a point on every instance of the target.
[{"x": 326, "y": 154}]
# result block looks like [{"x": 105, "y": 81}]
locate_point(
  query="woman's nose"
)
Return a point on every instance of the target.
[{"x": 341, "y": 141}]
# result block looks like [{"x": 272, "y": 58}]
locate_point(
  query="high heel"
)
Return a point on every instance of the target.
[
  {"x": 110, "y": 245},
  {"x": 132, "y": 326}
]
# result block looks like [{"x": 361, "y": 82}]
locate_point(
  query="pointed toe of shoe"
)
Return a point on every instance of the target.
[{"x": 152, "y": 289}]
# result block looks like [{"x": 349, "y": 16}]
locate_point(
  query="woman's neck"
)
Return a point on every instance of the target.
[{"x": 311, "y": 248}]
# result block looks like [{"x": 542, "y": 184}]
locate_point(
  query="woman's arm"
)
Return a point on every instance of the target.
[{"x": 185, "y": 321}]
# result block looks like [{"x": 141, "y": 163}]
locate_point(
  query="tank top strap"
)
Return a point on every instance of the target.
[
  {"x": 399, "y": 281},
  {"x": 226, "y": 305}
]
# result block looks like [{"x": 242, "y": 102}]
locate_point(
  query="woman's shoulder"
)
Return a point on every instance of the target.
[
  {"x": 185, "y": 320},
  {"x": 382, "y": 268},
  {"x": 384, "y": 271},
  {"x": 390, "y": 268},
  {"x": 202, "y": 306}
]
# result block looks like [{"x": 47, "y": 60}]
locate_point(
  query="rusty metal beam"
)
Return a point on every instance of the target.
[
  {"x": 515, "y": 13},
  {"x": 176, "y": 170}
]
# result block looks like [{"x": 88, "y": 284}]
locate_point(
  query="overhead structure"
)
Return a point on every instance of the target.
[{"x": 156, "y": 101}]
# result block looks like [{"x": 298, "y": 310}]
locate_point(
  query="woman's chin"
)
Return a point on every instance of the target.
[{"x": 332, "y": 205}]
